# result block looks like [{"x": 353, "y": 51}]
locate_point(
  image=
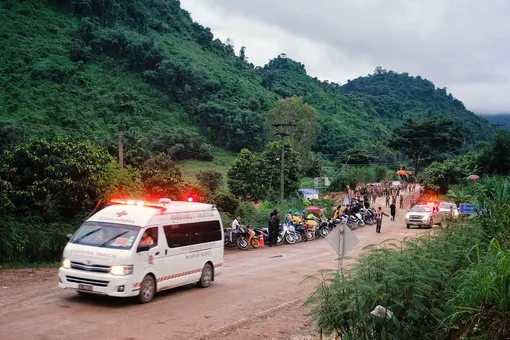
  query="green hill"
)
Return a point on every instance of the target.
[
  {"x": 92, "y": 68},
  {"x": 393, "y": 97}
]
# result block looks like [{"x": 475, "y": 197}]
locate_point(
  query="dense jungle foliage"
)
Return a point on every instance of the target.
[{"x": 89, "y": 68}]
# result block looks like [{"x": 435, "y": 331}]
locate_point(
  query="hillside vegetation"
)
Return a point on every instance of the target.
[{"x": 88, "y": 69}]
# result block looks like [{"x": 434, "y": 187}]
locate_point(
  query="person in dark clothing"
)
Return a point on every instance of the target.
[
  {"x": 355, "y": 209},
  {"x": 393, "y": 211},
  {"x": 401, "y": 202},
  {"x": 273, "y": 226},
  {"x": 366, "y": 203}
]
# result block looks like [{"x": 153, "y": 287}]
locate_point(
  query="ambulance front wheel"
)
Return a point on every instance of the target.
[
  {"x": 207, "y": 275},
  {"x": 147, "y": 289}
]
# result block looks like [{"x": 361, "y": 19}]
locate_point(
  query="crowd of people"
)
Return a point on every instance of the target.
[{"x": 363, "y": 196}]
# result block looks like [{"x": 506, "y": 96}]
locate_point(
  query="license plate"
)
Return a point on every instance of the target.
[{"x": 87, "y": 288}]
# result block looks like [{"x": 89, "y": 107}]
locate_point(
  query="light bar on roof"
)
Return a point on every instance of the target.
[{"x": 138, "y": 203}]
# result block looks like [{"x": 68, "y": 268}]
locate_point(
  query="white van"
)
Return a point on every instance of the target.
[{"x": 183, "y": 244}]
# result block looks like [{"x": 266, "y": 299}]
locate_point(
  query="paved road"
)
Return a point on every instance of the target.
[{"x": 258, "y": 296}]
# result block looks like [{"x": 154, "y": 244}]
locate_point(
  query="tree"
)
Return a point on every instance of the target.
[
  {"x": 57, "y": 179},
  {"x": 439, "y": 176},
  {"x": 500, "y": 155},
  {"x": 210, "y": 180},
  {"x": 244, "y": 176},
  {"x": 161, "y": 177},
  {"x": 380, "y": 70},
  {"x": 226, "y": 202},
  {"x": 122, "y": 183},
  {"x": 423, "y": 139},
  {"x": 255, "y": 176},
  {"x": 306, "y": 120},
  {"x": 242, "y": 53},
  {"x": 270, "y": 168}
]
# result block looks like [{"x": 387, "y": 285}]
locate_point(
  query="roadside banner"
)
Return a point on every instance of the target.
[{"x": 469, "y": 209}]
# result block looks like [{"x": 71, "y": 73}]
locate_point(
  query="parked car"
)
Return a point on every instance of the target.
[
  {"x": 448, "y": 208},
  {"x": 423, "y": 215}
]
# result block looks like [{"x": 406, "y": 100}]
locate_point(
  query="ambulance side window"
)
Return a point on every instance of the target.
[{"x": 177, "y": 235}]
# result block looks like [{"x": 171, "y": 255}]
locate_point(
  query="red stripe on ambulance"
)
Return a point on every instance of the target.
[{"x": 166, "y": 278}]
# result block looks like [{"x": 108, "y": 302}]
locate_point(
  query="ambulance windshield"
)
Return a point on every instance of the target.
[{"x": 106, "y": 235}]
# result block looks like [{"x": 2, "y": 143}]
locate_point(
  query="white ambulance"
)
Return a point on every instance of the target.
[{"x": 137, "y": 248}]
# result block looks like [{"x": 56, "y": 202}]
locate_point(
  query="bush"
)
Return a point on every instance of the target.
[
  {"x": 226, "y": 203},
  {"x": 454, "y": 283},
  {"x": 31, "y": 239}
]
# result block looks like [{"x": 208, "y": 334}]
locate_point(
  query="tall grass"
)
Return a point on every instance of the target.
[
  {"x": 449, "y": 284},
  {"x": 30, "y": 240}
]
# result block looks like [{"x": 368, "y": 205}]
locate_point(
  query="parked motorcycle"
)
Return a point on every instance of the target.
[
  {"x": 240, "y": 238},
  {"x": 285, "y": 235},
  {"x": 300, "y": 232}
]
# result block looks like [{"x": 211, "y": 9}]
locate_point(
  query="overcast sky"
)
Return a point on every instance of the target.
[{"x": 463, "y": 45}]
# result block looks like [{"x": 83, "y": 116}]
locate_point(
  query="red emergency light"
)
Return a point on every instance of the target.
[
  {"x": 138, "y": 203},
  {"x": 190, "y": 199}
]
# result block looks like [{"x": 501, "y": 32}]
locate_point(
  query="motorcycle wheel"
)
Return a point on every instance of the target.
[
  {"x": 310, "y": 236},
  {"x": 255, "y": 242},
  {"x": 279, "y": 240},
  {"x": 242, "y": 243},
  {"x": 298, "y": 237},
  {"x": 289, "y": 238},
  {"x": 323, "y": 232},
  {"x": 228, "y": 242}
]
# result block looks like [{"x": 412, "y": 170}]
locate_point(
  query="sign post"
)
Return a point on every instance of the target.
[{"x": 342, "y": 240}]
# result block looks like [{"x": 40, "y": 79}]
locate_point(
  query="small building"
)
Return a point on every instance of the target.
[{"x": 309, "y": 193}]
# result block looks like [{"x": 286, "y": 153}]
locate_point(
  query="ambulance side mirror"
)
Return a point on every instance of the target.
[
  {"x": 143, "y": 247},
  {"x": 69, "y": 236}
]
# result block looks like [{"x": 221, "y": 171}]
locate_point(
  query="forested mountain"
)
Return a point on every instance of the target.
[
  {"x": 499, "y": 119},
  {"x": 396, "y": 96},
  {"x": 91, "y": 68}
]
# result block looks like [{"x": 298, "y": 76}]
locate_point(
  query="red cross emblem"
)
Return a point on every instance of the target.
[
  {"x": 122, "y": 213},
  {"x": 151, "y": 259}
]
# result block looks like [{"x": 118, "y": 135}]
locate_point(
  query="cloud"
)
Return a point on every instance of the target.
[{"x": 461, "y": 45}]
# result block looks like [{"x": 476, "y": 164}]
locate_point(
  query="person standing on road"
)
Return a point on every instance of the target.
[
  {"x": 387, "y": 200},
  {"x": 378, "y": 219},
  {"x": 401, "y": 202},
  {"x": 273, "y": 226},
  {"x": 393, "y": 211}
]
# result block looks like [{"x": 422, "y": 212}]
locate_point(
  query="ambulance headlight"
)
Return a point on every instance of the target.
[
  {"x": 66, "y": 263},
  {"x": 121, "y": 270}
]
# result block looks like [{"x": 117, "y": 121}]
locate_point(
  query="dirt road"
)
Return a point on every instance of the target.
[{"x": 258, "y": 296}]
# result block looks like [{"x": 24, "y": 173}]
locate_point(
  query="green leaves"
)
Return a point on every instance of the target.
[
  {"x": 421, "y": 139},
  {"x": 306, "y": 120},
  {"x": 255, "y": 176},
  {"x": 55, "y": 178}
]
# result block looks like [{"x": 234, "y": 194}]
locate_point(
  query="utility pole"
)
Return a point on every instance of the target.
[
  {"x": 282, "y": 165},
  {"x": 121, "y": 149}
]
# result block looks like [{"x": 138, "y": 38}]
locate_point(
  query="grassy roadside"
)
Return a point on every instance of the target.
[{"x": 451, "y": 284}]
